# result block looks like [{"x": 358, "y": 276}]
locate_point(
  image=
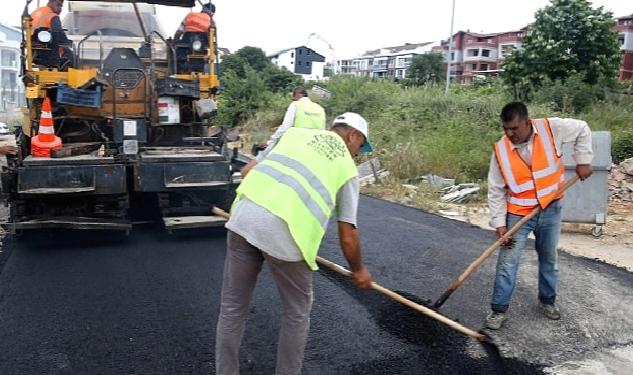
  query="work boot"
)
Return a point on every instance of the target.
[
  {"x": 494, "y": 320},
  {"x": 550, "y": 311}
]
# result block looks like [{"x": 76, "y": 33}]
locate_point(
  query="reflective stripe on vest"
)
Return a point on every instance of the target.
[
  {"x": 42, "y": 18},
  {"x": 294, "y": 184},
  {"x": 529, "y": 186},
  {"x": 197, "y": 22},
  {"x": 298, "y": 182},
  {"x": 307, "y": 174},
  {"x": 309, "y": 115}
]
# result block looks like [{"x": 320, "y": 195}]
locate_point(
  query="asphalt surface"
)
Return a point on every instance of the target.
[{"x": 101, "y": 303}]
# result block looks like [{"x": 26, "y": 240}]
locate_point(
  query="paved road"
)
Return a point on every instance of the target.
[{"x": 147, "y": 304}]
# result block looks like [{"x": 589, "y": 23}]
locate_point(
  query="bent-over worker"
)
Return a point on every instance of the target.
[{"x": 280, "y": 216}]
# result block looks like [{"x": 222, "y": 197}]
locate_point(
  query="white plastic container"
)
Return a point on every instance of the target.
[{"x": 168, "y": 110}]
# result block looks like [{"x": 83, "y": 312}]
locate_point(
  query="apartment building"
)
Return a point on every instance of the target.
[
  {"x": 301, "y": 60},
  {"x": 11, "y": 88},
  {"x": 388, "y": 62},
  {"x": 479, "y": 55},
  {"x": 625, "y": 38}
]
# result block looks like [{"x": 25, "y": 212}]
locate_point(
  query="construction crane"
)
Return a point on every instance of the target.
[{"x": 319, "y": 37}]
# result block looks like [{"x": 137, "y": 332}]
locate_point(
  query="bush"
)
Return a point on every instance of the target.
[
  {"x": 571, "y": 96},
  {"x": 622, "y": 147}
]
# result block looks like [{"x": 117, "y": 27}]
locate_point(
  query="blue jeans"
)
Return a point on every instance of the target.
[{"x": 546, "y": 228}]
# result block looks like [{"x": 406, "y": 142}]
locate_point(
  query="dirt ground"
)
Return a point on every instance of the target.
[{"x": 615, "y": 246}]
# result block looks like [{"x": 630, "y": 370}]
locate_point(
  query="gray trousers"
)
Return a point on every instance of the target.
[{"x": 294, "y": 281}]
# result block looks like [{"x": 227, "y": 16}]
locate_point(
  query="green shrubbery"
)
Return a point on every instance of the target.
[{"x": 419, "y": 130}]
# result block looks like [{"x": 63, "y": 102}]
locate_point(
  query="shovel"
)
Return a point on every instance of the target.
[{"x": 488, "y": 252}]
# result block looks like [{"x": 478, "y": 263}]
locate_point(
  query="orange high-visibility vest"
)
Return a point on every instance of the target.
[
  {"x": 528, "y": 187},
  {"x": 42, "y": 18},
  {"x": 197, "y": 22}
]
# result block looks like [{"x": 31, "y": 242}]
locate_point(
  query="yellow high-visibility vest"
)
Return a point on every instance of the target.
[{"x": 298, "y": 182}]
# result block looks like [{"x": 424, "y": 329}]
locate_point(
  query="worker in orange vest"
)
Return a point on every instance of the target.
[
  {"x": 58, "y": 52},
  {"x": 526, "y": 171},
  {"x": 192, "y": 38},
  {"x": 197, "y": 22}
]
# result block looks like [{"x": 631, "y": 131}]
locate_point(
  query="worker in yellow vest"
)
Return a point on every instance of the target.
[
  {"x": 301, "y": 113},
  {"x": 280, "y": 216},
  {"x": 525, "y": 172}
]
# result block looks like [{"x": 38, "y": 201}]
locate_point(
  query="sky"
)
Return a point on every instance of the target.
[{"x": 349, "y": 27}]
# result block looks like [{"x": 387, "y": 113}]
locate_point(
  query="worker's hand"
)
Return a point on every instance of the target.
[
  {"x": 362, "y": 278},
  {"x": 12, "y": 150},
  {"x": 584, "y": 171},
  {"x": 247, "y": 168},
  {"x": 501, "y": 231}
]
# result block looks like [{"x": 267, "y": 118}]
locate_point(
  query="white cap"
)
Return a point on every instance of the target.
[{"x": 357, "y": 122}]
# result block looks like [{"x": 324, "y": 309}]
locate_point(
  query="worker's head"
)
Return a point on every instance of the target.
[
  {"x": 298, "y": 93},
  {"x": 56, "y": 5},
  {"x": 354, "y": 131},
  {"x": 208, "y": 8},
  {"x": 516, "y": 123}
]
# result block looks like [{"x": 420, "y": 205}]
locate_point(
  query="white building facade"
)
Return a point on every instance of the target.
[
  {"x": 389, "y": 62},
  {"x": 301, "y": 60},
  {"x": 11, "y": 87}
]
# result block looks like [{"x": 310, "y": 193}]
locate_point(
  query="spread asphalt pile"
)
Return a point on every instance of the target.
[{"x": 90, "y": 303}]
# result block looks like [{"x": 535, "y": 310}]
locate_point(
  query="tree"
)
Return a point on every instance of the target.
[
  {"x": 242, "y": 96},
  {"x": 254, "y": 57},
  {"x": 568, "y": 38},
  {"x": 426, "y": 68},
  {"x": 280, "y": 79}
]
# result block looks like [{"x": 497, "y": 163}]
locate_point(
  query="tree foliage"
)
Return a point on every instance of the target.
[
  {"x": 568, "y": 38},
  {"x": 426, "y": 68},
  {"x": 249, "y": 79}
]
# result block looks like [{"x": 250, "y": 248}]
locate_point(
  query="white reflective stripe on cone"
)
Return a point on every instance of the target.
[{"x": 46, "y": 130}]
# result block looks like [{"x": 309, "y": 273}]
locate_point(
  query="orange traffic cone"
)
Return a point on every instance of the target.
[{"x": 45, "y": 140}]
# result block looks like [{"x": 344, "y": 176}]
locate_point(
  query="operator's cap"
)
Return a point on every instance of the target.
[{"x": 357, "y": 122}]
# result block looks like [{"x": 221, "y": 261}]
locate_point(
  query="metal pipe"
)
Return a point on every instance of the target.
[
  {"x": 450, "y": 51},
  {"x": 140, "y": 21}
]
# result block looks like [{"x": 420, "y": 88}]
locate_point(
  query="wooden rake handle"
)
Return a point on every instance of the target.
[
  {"x": 489, "y": 251},
  {"x": 407, "y": 302}
]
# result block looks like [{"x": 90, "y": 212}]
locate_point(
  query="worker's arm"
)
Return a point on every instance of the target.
[
  {"x": 346, "y": 211},
  {"x": 11, "y": 150},
  {"x": 566, "y": 130},
  {"x": 180, "y": 31},
  {"x": 260, "y": 156},
  {"x": 289, "y": 119},
  {"x": 497, "y": 199},
  {"x": 58, "y": 31},
  {"x": 350, "y": 244}
]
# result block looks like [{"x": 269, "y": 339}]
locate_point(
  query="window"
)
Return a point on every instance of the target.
[
  {"x": 307, "y": 52},
  {"x": 9, "y": 85},
  {"x": 506, "y": 49},
  {"x": 292, "y": 54},
  {"x": 620, "y": 40},
  {"x": 308, "y": 63},
  {"x": 452, "y": 56},
  {"x": 483, "y": 67},
  {"x": 9, "y": 58},
  {"x": 473, "y": 66},
  {"x": 300, "y": 63},
  {"x": 473, "y": 52},
  {"x": 485, "y": 52},
  {"x": 301, "y": 52}
]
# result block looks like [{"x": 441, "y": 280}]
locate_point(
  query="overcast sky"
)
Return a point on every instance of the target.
[{"x": 349, "y": 26}]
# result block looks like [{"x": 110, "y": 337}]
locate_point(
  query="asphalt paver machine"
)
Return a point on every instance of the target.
[{"x": 135, "y": 111}]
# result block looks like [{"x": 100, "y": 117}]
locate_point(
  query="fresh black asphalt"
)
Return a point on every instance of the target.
[{"x": 103, "y": 303}]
